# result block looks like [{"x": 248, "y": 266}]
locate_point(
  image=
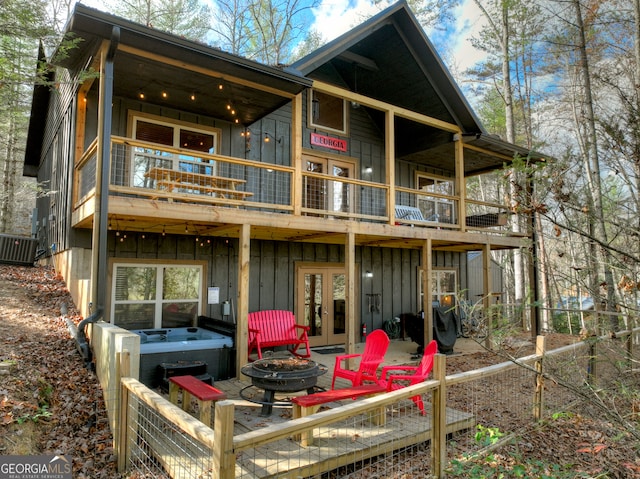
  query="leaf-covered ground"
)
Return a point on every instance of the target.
[{"x": 50, "y": 403}]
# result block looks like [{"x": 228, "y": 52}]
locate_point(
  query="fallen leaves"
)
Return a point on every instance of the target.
[{"x": 47, "y": 387}]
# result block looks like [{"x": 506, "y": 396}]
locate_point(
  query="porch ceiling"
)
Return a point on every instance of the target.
[
  {"x": 212, "y": 94},
  {"x": 153, "y": 61}
]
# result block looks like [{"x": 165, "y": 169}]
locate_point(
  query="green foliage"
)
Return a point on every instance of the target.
[
  {"x": 188, "y": 18},
  {"x": 494, "y": 466},
  {"x": 41, "y": 412},
  {"x": 486, "y": 436}
]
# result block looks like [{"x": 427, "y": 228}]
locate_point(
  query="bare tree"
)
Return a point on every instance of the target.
[{"x": 188, "y": 18}]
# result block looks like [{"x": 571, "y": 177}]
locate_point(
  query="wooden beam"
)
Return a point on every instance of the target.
[
  {"x": 439, "y": 429},
  {"x": 95, "y": 236},
  {"x": 487, "y": 290},
  {"x": 386, "y": 107},
  {"x": 489, "y": 152},
  {"x": 313, "y": 236},
  {"x": 203, "y": 71},
  {"x": 390, "y": 163},
  {"x": 296, "y": 154},
  {"x": 359, "y": 60},
  {"x": 350, "y": 269},
  {"x": 461, "y": 184},
  {"x": 242, "y": 323},
  {"x": 427, "y": 288}
]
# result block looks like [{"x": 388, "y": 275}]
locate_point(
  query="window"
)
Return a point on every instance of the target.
[
  {"x": 174, "y": 135},
  {"x": 436, "y": 207},
  {"x": 155, "y": 296},
  {"x": 444, "y": 287},
  {"x": 327, "y": 112}
]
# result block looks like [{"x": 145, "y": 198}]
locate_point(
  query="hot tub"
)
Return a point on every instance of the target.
[{"x": 175, "y": 345}]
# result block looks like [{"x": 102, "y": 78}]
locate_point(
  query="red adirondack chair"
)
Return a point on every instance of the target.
[
  {"x": 375, "y": 348},
  {"x": 412, "y": 374}
]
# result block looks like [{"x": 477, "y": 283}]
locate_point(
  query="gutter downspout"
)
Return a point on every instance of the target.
[{"x": 102, "y": 210}]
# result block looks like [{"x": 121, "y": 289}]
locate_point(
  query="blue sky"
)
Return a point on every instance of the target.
[{"x": 335, "y": 17}]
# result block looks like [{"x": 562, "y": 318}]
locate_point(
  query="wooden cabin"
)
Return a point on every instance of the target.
[{"x": 184, "y": 181}]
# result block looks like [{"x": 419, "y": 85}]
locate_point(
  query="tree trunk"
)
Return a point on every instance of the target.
[{"x": 592, "y": 167}]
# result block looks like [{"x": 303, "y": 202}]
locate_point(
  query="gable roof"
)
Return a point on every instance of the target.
[{"x": 390, "y": 58}]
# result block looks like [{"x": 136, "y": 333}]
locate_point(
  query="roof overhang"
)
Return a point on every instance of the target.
[
  {"x": 390, "y": 58},
  {"x": 158, "y": 61}
]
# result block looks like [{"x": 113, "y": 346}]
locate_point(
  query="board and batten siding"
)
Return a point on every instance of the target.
[{"x": 273, "y": 264}]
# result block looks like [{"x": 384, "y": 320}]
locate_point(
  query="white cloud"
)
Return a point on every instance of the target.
[
  {"x": 469, "y": 22},
  {"x": 335, "y": 17}
]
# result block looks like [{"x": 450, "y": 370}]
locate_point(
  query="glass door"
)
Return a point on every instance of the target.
[
  {"x": 322, "y": 304},
  {"x": 325, "y": 195}
]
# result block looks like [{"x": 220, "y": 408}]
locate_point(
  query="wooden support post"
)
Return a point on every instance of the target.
[
  {"x": 390, "y": 163},
  {"x": 122, "y": 370},
  {"x": 629, "y": 350},
  {"x": 125, "y": 364},
  {"x": 592, "y": 373},
  {"x": 427, "y": 290},
  {"x": 439, "y": 418},
  {"x": 461, "y": 183},
  {"x": 351, "y": 301},
  {"x": 296, "y": 154},
  {"x": 224, "y": 457},
  {"x": 538, "y": 401},
  {"x": 122, "y": 431},
  {"x": 242, "y": 323},
  {"x": 488, "y": 289}
]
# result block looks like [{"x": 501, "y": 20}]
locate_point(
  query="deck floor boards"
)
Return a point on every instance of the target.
[{"x": 334, "y": 446}]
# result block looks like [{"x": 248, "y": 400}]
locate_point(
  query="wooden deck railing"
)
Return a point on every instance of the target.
[
  {"x": 155, "y": 171},
  {"x": 154, "y": 430}
]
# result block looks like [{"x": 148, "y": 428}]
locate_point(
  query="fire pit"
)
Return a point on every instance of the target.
[{"x": 283, "y": 375}]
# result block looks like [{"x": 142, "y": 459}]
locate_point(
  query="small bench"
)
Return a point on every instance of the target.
[
  {"x": 272, "y": 328},
  {"x": 306, "y": 405},
  {"x": 205, "y": 395}
]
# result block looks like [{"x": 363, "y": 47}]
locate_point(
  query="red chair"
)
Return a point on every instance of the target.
[
  {"x": 375, "y": 348},
  {"x": 412, "y": 375}
]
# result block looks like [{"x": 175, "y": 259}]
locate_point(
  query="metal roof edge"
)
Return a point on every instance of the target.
[{"x": 88, "y": 14}]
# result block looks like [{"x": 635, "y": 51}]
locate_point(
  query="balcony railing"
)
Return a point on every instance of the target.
[{"x": 144, "y": 169}]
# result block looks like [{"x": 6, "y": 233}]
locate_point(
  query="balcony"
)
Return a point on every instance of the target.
[{"x": 146, "y": 170}]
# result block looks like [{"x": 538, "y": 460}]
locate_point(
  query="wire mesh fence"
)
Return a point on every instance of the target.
[
  {"x": 500, "y": 398},
  {"x": 156, "y": 442},
  {"x": 383, "y": 436},
  {"x": 344, "y": 441}
]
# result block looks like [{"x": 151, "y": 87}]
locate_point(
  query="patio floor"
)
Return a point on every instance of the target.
[{"x": 328, "y": 451}]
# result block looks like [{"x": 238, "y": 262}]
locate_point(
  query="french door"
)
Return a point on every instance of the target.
[
  {"x": 321, "y": 303},
  {"x": 326, "y": 195}
]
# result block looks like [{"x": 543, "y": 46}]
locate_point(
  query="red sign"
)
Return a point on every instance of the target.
[{"x": 328, "y": 142}]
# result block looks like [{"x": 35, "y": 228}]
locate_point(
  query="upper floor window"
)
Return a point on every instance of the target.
[
  {"x": 175, "y": 135},
  {"x": 327, "y": 112},
  {"x": 437, "y": 202}
]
